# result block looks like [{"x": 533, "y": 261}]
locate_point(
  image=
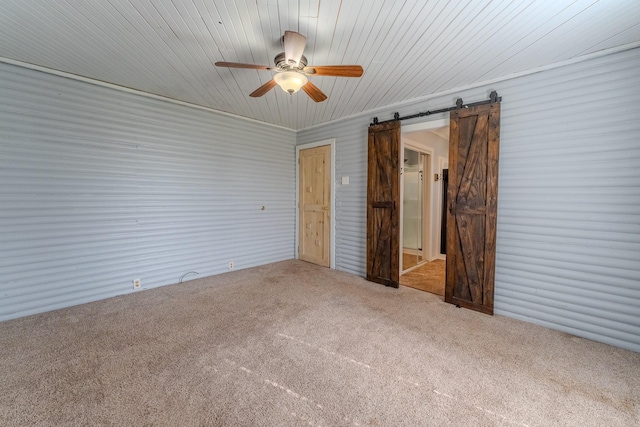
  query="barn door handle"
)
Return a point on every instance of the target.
[{"x": 384, "y": 205}]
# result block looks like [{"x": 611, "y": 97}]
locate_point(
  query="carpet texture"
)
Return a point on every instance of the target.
[{"x": 293, "y": 344}]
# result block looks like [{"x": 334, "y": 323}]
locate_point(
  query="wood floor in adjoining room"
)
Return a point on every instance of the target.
[
  {"x": 429, "y": 277},
  {"x": 410, "y": 260}
]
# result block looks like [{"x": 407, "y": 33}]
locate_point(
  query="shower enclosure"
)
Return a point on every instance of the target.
[{"x": 413, "y": 206}]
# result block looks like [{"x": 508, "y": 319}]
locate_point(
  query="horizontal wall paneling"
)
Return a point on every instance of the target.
[{"x": 99, "y": 187}]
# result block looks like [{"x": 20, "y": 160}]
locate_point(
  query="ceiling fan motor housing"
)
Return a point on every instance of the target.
[{"x": 281, "y": 62}]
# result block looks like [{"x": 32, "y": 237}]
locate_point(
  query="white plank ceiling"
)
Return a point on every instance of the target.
[{"x": 409, "y": 49}]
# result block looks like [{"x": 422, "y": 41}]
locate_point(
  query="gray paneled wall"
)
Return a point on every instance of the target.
[
  {"x": 99, "y": 187},
  {"x": 568, "y": 244}
]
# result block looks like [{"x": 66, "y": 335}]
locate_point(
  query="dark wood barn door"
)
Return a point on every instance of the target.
[
  {"x": 472, "y": 206},
  {"x": 383, "y": 209}
]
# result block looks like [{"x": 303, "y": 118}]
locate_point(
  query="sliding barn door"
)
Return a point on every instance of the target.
[
  {"x": 383, "y": 205},
  {"x": 472, "y": 206}
]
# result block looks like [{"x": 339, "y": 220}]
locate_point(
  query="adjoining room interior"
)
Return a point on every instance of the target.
[{"x": 424, "y": 166}]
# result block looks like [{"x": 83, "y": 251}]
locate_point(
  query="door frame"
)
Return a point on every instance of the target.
[
  {"x": 332, "y": 226},
  {"x": 443, "y": 163}
]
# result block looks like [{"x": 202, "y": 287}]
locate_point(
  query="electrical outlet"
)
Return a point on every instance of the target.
[
  {"x": 136, "y": 283},
  {"x": 231, "y": 265}
]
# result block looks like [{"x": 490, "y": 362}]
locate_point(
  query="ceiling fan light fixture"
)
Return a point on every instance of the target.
[{"x": 290, "y": 81}]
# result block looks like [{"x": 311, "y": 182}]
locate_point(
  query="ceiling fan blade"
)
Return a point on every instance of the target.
[
  {"x": 314, "y": 93},
  {"x": 240, "y": 65},
  {"x": 263, "y": 89},
  {"x": 294, "y": 44},
  {"x": 335, "y": 70}
]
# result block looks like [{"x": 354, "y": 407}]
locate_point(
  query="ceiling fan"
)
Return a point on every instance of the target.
[{"x": 292, "y": 70}]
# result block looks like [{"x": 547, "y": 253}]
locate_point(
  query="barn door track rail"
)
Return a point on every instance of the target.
[{"x": 493, "y": 97}]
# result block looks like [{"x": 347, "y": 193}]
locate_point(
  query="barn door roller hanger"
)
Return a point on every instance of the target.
[{"x": 493, "y": 97}]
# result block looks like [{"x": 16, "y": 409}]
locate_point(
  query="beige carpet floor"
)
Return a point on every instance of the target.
[
  {"x": 293, "y": 344},
  {"x": 429, "y": 277}
]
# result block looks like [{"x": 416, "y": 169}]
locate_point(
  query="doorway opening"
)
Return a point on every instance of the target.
[{"x": 423, "y": 163}]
